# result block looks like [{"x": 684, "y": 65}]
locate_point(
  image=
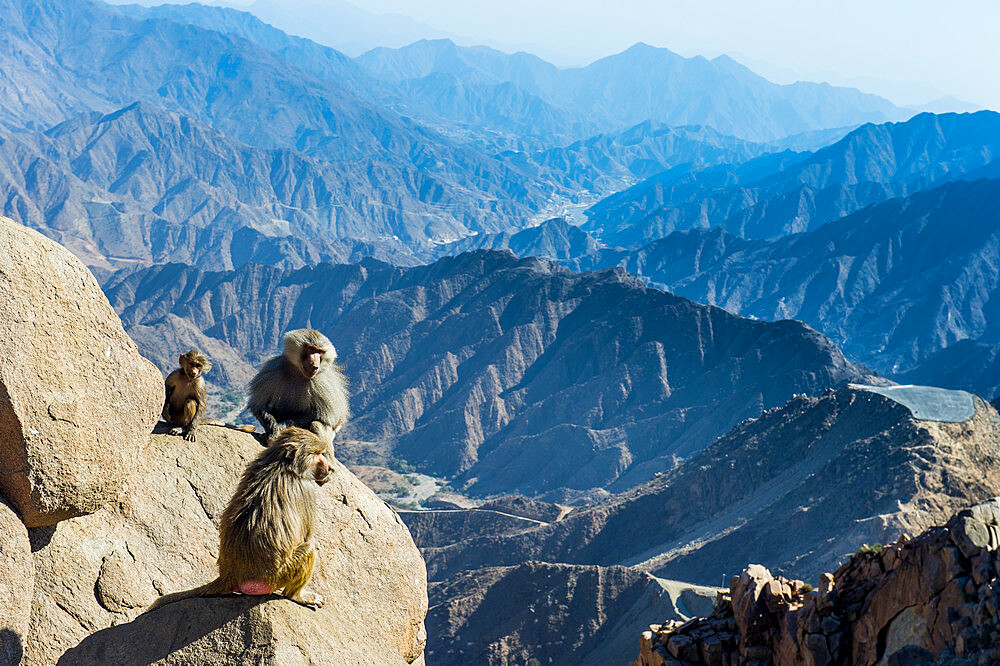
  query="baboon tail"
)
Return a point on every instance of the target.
[
  {"x": 223, "y": 424},
  {"x": 217, "y": 586}
]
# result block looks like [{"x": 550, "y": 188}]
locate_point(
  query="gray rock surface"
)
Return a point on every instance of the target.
[
  {"x": 95, "y": 574},
  {"x": 77, "y": 401},
  {"x": 928, "y": 600}
]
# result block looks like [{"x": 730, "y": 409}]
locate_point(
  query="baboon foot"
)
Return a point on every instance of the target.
[{"x": 309, "y": 599}]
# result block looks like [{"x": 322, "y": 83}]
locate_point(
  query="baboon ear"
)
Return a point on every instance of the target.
[{"x": 180, "y": 359}]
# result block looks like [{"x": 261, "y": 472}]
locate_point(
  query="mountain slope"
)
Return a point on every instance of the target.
[
  {"x": 891, "y": 284},
  {"x": 786, "y": 193},
  {"x": 795, "y": 489},
  {"x": 552, "y": 613},
  {"x": 509, "y": 375},
  {"x": 144, "y": 185},
  {"x": 108, "y": 60}
]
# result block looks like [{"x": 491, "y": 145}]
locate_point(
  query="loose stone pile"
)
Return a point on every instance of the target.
[{"x": 932, "y": 599}]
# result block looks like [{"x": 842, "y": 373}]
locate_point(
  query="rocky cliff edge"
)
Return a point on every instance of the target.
[
  {"x": 929, "y": 600},
  {"x": 98, "y": 518}
]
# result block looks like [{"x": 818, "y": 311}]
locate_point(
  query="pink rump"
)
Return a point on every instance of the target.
[{"x": 255, "y": 587}]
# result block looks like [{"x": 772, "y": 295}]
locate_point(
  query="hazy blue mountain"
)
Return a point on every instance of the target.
[
  {"x": 323, "y": 61},
  {"x": 969, "y": 365},
  {"x": 891, "y": 284},
  {"x": 949, "y": 104},
  {"x": 257, "y": 97},
  {"x": 343, "y": 25},
  {"x": 787, "y": 192},
  {"x": 647, "y": 82},
  {"x": 144, "y": 185},
  {"x": 477, "y": 87},
  {"x": 508, "y": 374},
  {"x": 605, "y": 163},
  {"x": 644, "y": 83},
  {"x": 476, "y": 64}
]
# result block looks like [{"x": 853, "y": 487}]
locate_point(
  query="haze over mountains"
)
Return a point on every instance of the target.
[{"x": 670, "y": 395}]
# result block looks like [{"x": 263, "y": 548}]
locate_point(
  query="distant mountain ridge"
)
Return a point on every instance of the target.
[
  {"x": 785, "y": 193},
  {"x": 891, "y": 284},
  {"x": 644, "y": 83},
  {"x": 87, "y": 57},
  {"x": 144, "y": 185}
]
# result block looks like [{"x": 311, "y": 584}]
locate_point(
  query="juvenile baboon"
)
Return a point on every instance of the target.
[
  {"x": 185, "y": 401},
  {"x": 303, "y": 387},
  {"x": 266, "y": 531}
]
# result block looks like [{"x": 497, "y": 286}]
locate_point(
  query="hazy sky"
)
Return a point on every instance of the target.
[{"x": 908, "y": 50}]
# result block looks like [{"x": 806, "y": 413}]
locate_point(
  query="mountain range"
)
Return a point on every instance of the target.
[
  {"x": 893, "y": 285},
  {"x": 335, "y": 158},
  {"x": 782, "y": 193},
  {"x": 506, "y": 375},
  {"x": 72, "y": 57},
  {"x": 795, "y": 489},
  {"x": 641, "y": 83},
  {"x": 798, "y": 490}
]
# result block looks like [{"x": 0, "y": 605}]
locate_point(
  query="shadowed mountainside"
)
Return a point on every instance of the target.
[
  {"x": 795, "y": 490},
  {"x": 551, "y": 613},
  {"x": 892, "y": 284},
  {"x": 511, "y": 375}
]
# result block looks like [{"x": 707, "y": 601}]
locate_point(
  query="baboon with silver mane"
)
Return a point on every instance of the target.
[{"x": 303, "y": 387}]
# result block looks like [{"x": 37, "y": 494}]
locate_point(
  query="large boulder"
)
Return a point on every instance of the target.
[
  {"x": 77, "y": 401},
  {"x": 17, "y": 578},
  {"x": 95, "y": 574}
]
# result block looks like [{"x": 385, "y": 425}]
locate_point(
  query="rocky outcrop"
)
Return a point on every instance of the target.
[
  {"x": 539, "y": 613},
  {"x": 77, "y": 401},
  {"x": 95, "y": 574},
  {"x": 932, "y": 599},
  {"x": 115, "y": 517}
]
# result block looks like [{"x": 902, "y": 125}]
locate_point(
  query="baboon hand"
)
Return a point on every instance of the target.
[
  {"x": 176, "y": 431},
  {"x": 189, "y": 436}
]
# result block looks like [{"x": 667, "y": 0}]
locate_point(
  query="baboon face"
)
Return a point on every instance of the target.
[
  {"x": 194, "y": 364},
  {"x": 312, "y": 360},
  {"x": 321, "y": 470},
  {"x": 307, "y": 454}
]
